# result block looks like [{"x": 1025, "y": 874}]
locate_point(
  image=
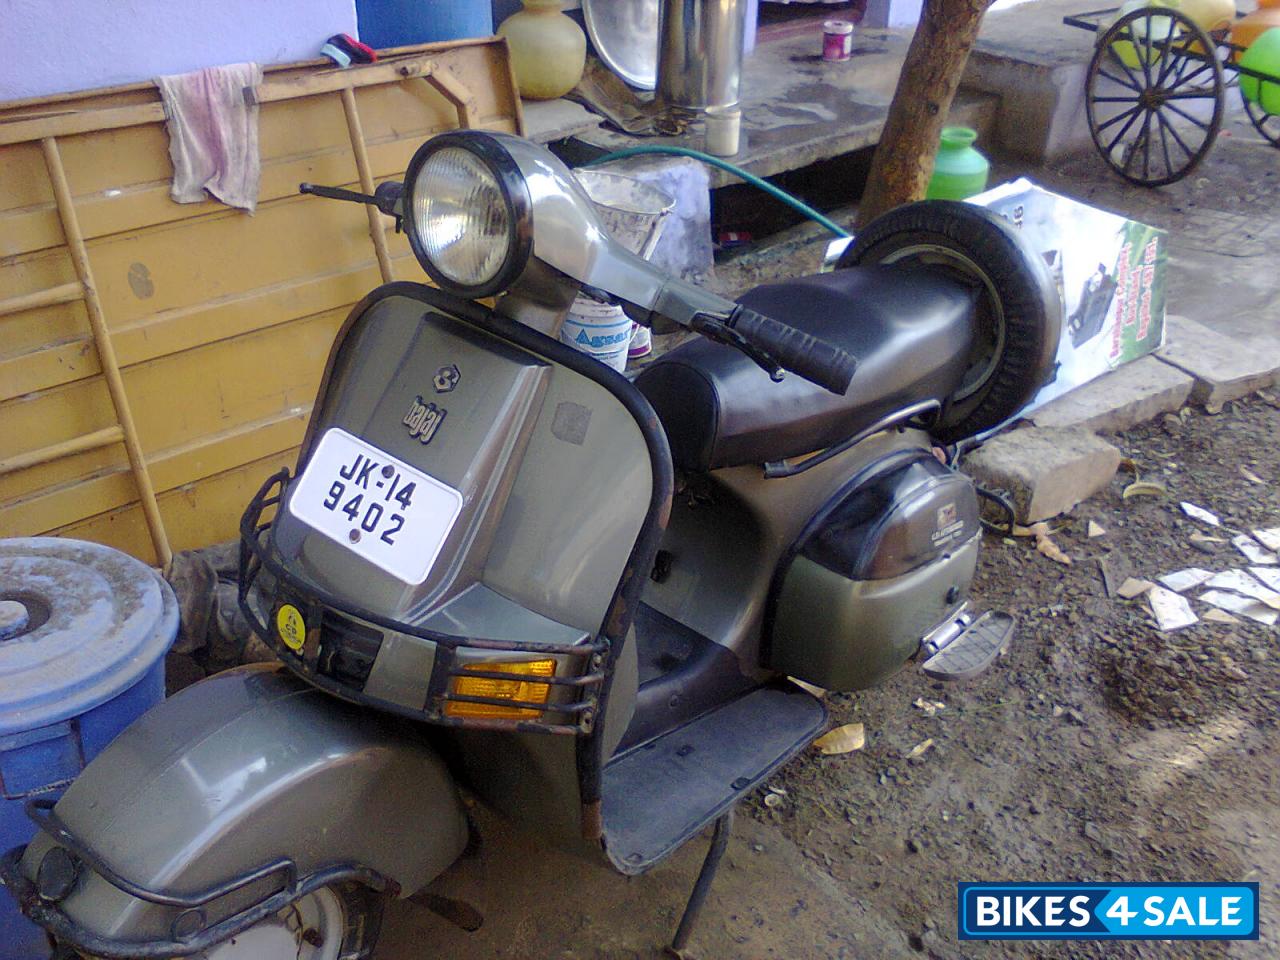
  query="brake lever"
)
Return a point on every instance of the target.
[
  {"x": 336, "y": 193},
  {"x": 385, "y": 197},
  {"x": 717, "y": 329}
]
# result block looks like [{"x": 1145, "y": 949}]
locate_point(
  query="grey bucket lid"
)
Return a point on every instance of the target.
[{"x": 96, "y": 620}]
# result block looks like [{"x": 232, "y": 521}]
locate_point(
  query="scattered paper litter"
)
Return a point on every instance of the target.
[
  {"x": 1268, "y": 575},
  {"x": 1171, "y": 609},
  {"x": 809, "y": 688},
  {"x": 1268, "y": 538},
  {"x": 1199, "y": 537},
  {"x": 919, "y": 748},
  {"x": 1096, "y": 529},
  {"x": 1186, "y": 579},
  {"x": 1051, "y": 550},
  {"x": 1249, "y": 547},
  {"x": 1214, "y": 615},
  {"x": 1200, "y": 513},
  {"x": 1250, "y": 475},
  {"x": 928, "y": 707},
  {"x": 1040, "y": 529},
  {"x": 844, "y": 739},
  {"x": 1237, "y": 581},
  {"x": 1133, "y": 587},
  {"x": 1241, "y": 605},
  {"x": 1144, "y": 488}
]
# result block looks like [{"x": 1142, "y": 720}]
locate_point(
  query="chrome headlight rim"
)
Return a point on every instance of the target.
[{"x": 515, "y": 193}]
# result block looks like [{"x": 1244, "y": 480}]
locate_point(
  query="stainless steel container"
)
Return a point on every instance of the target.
[{"x": 700, "y": 53}]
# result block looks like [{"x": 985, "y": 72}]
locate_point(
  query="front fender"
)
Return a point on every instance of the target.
[{"x": 240, "y": 770}]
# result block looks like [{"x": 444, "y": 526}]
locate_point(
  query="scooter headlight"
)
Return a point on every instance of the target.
[{"x": 467, "y": 209}]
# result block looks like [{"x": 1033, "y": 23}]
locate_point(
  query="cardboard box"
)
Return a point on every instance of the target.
[{"x": 1111, "y": 273}]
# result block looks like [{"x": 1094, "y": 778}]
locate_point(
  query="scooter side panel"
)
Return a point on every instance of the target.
[
  {"x": 241, "y": 769},
  {"x": 727, "y": 545},
  {"x": 577, "y": 504},
  {"x": 848, "y": 635}
]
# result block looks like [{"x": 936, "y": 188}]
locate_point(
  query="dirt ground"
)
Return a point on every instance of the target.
[{"x": 1099, "y": 748}]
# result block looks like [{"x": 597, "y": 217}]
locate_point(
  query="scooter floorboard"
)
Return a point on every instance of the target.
[{"x": 661, "y": 793}]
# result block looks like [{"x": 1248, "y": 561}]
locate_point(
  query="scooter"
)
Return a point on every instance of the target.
[{"x": 505, "y": 568}]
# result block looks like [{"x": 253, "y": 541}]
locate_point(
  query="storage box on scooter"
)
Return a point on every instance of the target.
[{"x": 880, "y": 567}]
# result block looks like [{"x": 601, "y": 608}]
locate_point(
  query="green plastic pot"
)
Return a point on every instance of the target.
[
  {"x": 1263, "y": 55},
  {"x": 960, "y": 171}
]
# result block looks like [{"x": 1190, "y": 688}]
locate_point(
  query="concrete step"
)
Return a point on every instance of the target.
[
  {"x": 1046, "y": 472},
  {"x": 977, "y": 109},
  {"x": 1037, "y": 67}
]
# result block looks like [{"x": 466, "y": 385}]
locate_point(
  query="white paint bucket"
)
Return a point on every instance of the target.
[{"x": 600, "y": 330}]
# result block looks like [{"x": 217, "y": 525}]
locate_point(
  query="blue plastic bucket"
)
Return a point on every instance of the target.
[
  {"x": 83, "y": 634},
  {"x": 398, "y": 23}
]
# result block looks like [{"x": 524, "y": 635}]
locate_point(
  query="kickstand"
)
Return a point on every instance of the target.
[{"x": 706, "y": 876}]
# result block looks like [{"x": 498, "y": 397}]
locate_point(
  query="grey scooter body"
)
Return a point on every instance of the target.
[
  {"x": 249, "y": 768},
  {"x": 673, "y": 608}
]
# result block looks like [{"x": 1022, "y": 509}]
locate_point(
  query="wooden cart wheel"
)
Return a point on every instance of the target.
[
  {"x": 1267, "y": 124},
  {"x": 1154, "y": 95}
]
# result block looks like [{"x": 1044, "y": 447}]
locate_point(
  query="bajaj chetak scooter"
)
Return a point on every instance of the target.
[{"x": 504, "y": 567}]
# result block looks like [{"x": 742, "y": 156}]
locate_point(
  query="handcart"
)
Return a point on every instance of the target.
[{"x": 1156, "y": 90}]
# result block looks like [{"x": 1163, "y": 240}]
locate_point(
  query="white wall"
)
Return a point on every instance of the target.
[{"x": 52, "y": 46}]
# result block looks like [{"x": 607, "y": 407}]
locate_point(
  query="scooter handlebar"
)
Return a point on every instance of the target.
[{"x": 804, "y": 355}]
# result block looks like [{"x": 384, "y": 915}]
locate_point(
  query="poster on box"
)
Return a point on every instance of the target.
[{"x": 1110, "y": 273}]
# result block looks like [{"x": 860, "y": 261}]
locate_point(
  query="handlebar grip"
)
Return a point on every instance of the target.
[{"x": 807, "y": 356}]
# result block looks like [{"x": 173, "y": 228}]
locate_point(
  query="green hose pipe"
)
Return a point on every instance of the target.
[{"x": 797, "y": 205}]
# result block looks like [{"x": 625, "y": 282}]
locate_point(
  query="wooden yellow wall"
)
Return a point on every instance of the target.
[{"x": 221, "y": 320}]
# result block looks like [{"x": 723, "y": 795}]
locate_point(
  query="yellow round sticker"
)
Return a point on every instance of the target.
[{"x": 292, "y": 628}]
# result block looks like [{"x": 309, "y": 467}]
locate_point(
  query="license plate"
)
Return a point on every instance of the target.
[{"x": 376, "y": 506}]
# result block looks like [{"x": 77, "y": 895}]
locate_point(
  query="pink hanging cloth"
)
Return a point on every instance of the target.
[{"x": 213, "y": 134}]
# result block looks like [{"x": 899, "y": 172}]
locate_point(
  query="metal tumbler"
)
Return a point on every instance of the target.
[{"x": 700, "y": 53}]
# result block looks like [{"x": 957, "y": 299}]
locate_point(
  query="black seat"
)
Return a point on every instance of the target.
[{"x": 909, "y": 327}]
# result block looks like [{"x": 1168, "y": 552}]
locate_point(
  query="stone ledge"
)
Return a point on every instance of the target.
[
  {"x": 1224, "y": 368},
  {"x": 1045, "y": 471},
  {"x": 1129, "y": 395}
]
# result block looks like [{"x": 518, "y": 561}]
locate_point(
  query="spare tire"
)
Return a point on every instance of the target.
[{"x": 1018, "y": 315}]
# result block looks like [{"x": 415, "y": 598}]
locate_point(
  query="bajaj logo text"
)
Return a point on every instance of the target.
[{"x": 423, "y": 419}]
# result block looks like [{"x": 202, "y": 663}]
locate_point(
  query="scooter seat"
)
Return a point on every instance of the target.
[{"x": 909, "y": 326}]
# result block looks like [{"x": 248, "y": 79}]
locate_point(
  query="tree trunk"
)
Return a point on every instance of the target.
[{"x": 903, "y": 161}]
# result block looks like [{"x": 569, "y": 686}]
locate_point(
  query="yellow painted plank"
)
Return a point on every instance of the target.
[
  {"x": 31, "y": 228},
  {"x": 232, "y": 382},
  {"x": 176, "y": 399},
  {"x": 141, "y": 204},
  {"x": 221, "y": 320},
  {"x": 39, "y": 369},
  {"x": 111, "y": 489},
  {"x": 56, "y": 363},
  {"x": 191, "y": 327},
  {"x": 66, "y": 124},
  {"x": 23, "y": 180},
  {"x": 195, "y": 515},
  {"x": 194, "y": 261}
]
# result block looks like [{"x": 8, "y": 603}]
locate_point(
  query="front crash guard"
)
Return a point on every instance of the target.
[{"x": 223, "y": 805}]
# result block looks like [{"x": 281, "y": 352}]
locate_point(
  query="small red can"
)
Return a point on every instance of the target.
[{"x": 837, "y": 40}]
